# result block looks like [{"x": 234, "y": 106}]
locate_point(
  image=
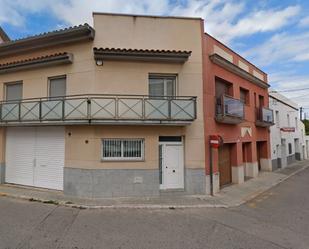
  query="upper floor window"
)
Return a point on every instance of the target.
[
  {"x": 13, "y": 91},
  {"x": 296, "y": 123},
  {"x": 244, "y": 96},
  {"x": 277, "y": 119},
  {"x": 57, "y": 86},
  {"x": 162, "y": 85},
  {"x": 290, "y": 149},
  {"x": 261, "y": 101},
  {"x": 223, "y": 88},
  {"x": 288, "y": 119}
]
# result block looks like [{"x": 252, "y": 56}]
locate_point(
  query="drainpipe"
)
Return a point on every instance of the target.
[{"x": 211, "y": 170}]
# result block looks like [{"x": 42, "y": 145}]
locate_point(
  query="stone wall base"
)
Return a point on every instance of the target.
[
  {"x": 291, "y": 159},
  {"x": 216, "y": 183},
  {"x": 276, "y": 164},
  {"x": 266, "y": 164},
  {"x": 102, "y": 183},
  {"x": 251, "y": 169},
  {"x": 238, "y": 174},
  {"x": 195, "y": 181},
  {"x": 298, "y": 156},
  {"x": 2, "y": 173}
]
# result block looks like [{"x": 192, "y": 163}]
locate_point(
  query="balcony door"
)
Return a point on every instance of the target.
[
  {"x": 222, "y": 88},
  {"x": 13, "y": 91},
  {"x": 160, "y": 86},
  {"x": 52, "y": 108},
  {"x": 13, "y": 94},
  {"x": 57, "y": 86}
]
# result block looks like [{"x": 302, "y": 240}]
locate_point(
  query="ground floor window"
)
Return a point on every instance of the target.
[
  {"x": 290, "y": 148},
  {"x": 123, "y": 149}
]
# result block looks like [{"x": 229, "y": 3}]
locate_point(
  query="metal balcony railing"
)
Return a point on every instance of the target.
[
  {"x": 264, "y": 116},
  {"x": 229, "y": 106},
  {"x": 99, "y": 108}
]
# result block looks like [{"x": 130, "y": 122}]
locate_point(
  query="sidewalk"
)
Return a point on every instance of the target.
[{"x": 231, "y": 196}]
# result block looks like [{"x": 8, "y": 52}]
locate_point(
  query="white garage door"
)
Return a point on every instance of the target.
[{"x": 35, "y": 156}]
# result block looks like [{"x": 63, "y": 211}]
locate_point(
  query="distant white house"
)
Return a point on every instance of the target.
[
  {"x": 307, "y": 147},
  {"x": 287, "y": 136}
]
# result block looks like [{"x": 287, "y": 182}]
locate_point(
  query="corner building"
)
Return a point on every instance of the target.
[
  {"x": 126, "y": 108},
  {"x": 113, "y": 110}
]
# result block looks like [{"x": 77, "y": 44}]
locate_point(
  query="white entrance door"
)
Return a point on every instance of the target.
[
  {"x": 172, "y": 166},
  {"x": 35, "y": 157}
]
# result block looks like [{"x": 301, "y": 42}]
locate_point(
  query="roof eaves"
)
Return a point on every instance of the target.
[
  {"x": 171, "y": 56},
  {"x": 147, "y": 16},
  {"x": 240, "y": 56},
  {"x": 58, "y": 37},
  {"x": 4, "y": 35},
  {"x": 37, "y": 62}
]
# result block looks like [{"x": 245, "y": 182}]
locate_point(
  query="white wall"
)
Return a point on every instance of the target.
[{"x": 280, "y": 104}]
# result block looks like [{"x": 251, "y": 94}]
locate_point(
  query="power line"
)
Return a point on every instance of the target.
[
  {"x": 301, "y": 96},
  {"x": 290, "y": 90}
]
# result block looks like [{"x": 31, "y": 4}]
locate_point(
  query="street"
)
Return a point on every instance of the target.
[{"x": 279, "y": 218}]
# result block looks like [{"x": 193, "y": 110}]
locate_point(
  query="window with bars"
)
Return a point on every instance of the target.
[{"x": 123, "y": 149}]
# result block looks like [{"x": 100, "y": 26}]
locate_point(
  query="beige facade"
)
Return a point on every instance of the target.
[{"x": 83, "y": 146}]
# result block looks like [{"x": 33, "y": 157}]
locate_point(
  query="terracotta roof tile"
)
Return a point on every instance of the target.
[
  {"x": 54, "y": 32},
  {"x": 157, "y": 51},
  {"x": 33, "y": 59},
  {"x": 81, "y": 33}
]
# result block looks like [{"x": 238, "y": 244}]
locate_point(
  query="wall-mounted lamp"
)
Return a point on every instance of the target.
[{"x": 99, "y": 62}]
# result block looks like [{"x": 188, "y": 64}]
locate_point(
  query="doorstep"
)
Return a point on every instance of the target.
[{"x": 231, "y": 196}]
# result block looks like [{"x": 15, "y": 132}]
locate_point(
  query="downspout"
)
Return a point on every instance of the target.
[{"x": 211, "y": 170}]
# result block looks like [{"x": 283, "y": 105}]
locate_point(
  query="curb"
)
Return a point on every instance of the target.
[
  {"x": 151, "y": 206},
  {"x": 120, "y": 206}
]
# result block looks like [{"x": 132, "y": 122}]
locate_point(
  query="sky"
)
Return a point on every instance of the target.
[{"x": 272, "y": 34}]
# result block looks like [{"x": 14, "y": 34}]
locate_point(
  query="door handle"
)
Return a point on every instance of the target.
[
  {"x": 166, "y": 167},
  {"x": 174, "y": 171}
]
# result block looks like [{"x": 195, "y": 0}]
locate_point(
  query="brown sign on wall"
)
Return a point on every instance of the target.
[{"x": 287, "y": 129}]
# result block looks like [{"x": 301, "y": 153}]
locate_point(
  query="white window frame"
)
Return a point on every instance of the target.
[
  {"x": 55, "y": 78},
  {"x": 277, "y": 114},
  {"x": 8, "y": 84},
  {"x": 296, "y": 123},
  {"x": 122, "y": 157},
  {"x": 164, "y": 77}
]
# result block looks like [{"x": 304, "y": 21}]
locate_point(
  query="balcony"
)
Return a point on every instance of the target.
[
  {"x": 99, "y": 109},
  {"x": 264, "y": 117},
  {"x": 229, "y": 110}
]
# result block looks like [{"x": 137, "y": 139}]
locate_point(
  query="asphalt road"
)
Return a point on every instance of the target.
[{"x": 276, "y": 219}]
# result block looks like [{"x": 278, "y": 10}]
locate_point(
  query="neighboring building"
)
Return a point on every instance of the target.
[
  {"x": 307, "y": 146},
  {"x": 131, "y": 119},
  {"x": 288, "y": 142},
  {"x": 236, "y": 107},
  {"x": 3, "y": 36}
]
